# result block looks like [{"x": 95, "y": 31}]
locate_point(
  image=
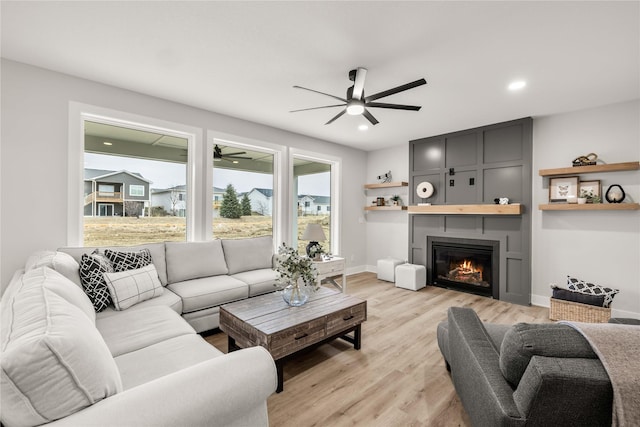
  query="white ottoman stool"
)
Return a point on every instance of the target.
[
  {"x": 387, "y": 268},
  {"x": 411, "y": 276}
]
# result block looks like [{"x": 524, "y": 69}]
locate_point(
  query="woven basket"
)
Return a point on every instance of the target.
[{"x": 577, "y": 312}]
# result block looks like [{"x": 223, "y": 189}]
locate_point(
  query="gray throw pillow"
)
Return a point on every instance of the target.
[{"x": 525, "y": 340}]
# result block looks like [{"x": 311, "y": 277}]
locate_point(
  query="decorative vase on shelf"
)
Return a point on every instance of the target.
[{"x": 295, "y": 294}]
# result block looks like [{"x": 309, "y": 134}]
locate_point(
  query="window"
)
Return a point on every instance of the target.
[
  {"x": 136, "y": 190},
  {"x": 243, "y": 191},
  {"x": 312, "y": 183},
  {"x": 118, "y": 157}
]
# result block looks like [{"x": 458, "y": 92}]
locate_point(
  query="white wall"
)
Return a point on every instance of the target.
[
  {"x": 600, "y": 247},
  {"x": 34, "y": 164},
  {"x": 387, "y": 231}
]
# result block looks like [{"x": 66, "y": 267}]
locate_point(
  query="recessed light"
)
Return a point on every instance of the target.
[
  {"x": 363, "y": 127},
  {"x": 107, "y": 143},
  {"x": 517, "y": 85}
]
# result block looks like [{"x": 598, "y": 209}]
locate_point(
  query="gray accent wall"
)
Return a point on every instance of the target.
[{"x": 475, "y": 166}]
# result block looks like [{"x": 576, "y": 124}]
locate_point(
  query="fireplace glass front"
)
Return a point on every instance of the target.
[{"x": 464, "y": 266}]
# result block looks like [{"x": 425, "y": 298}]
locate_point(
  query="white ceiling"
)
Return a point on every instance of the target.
[{"x": 242, "y": 58}]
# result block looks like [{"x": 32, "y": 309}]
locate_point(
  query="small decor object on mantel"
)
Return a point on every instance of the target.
[
  {"x": 297, "y": 274},
  {"x": 615, "y": 194},
  {"x": 501, "y": 201},
  {"x": 396, "y": 200},
  {"x": 586, "y": 160},
  {"x": 424, "y": 190}
]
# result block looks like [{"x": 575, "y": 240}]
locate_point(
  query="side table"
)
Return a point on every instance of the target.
[{"x": 330, "y": 269}]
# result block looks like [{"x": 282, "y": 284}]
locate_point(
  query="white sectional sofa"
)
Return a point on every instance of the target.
[
  {"x": 199, "y": 277},
  {"x": 64, "y": 364}
]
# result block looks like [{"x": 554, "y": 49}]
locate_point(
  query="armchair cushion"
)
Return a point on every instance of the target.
[{"x": 525, "y": 340}]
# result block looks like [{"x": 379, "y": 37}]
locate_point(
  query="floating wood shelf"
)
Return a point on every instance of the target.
[
  {"x": 574, "y": 170},
  {"x": 387, "y": 185},
  {"x": 512, "y": 209},
  {"x": 590, "y": 207},
  {"x": 385, "y": 208}
]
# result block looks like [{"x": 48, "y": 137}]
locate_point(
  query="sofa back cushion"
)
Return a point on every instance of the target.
[
  {"x": 54, "y": 360},
  {"x": 193, "y": 260},
  {"x": 61, "y": 262},
  {"x": 248, "y": 254},
  {"x": 156, "y": 249},
  {"x": 525, "y": 340}
]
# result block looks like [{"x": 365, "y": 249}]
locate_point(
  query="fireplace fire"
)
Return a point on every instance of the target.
[
  {"x": 469, "y": 265},
  {"x": 466, "y": 272}
]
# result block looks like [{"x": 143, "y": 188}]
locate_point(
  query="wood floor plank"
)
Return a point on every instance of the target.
[{"x": 398, "y": 378}]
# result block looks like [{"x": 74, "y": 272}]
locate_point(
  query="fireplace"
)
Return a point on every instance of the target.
[{"x": 469, "y": 265}]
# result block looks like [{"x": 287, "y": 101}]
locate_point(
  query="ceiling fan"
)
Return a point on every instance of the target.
[
  {"x": 229, "y": 157},
  {"x": 357, "y": 103}
]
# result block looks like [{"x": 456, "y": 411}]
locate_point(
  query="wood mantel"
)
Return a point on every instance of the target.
[{"x": 511, "y": 209}]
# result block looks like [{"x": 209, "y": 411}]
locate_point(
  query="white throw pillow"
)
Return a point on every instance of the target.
[
  {"x": 61, "y": 262},
  {"x": 130, "y": 287},
  {"x": 54, "y": 361}
]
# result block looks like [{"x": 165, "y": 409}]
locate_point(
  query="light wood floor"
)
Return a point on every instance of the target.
[{"x": 398, "y": 378}]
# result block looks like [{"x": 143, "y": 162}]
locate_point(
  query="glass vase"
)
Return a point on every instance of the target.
[{"x": 295, "y": 294}]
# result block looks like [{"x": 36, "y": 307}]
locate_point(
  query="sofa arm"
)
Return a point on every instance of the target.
[
  {"x": 475, "y": 370},
  {"x": 565, "y": 391},
  {"x": 229, "y": 390}
]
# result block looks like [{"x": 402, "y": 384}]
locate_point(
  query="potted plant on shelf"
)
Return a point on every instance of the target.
[
  {"x": 589, "y": 197},
  {"x": 396, "y": 200},
  {"x": 296, "y": 275}
]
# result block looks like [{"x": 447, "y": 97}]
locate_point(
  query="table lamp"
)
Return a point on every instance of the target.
[{"x": 314, "y": 234}]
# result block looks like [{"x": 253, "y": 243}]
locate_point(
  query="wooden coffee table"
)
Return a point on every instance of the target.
[{"x": 269, "y": 322}]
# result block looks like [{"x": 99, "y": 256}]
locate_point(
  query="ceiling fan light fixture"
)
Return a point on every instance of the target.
[
  {"x": 355, "y": 108},
  {"x": 517, "y": 85}
]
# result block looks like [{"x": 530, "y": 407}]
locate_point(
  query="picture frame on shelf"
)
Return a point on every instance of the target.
[
  {"x": 562, "y": 187},
  {"x": 592, "y": 189}
]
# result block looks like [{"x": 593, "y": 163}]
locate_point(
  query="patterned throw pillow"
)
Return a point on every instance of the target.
[
  {"x": 92, "y": 267},
  {"x": 133, "y": 286},
  {"x": 125, "y": 261},
  {"x": 591, "y": 289}
]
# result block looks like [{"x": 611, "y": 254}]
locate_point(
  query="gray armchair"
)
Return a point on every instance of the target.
[{"x": 525, "y": 374}]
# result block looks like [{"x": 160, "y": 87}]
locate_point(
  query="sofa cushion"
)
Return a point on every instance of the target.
[
  {"x": 92, "y": 268},
  {"x": 54, "y": 361},
  {"x": 163, "y": 358},
  {"x": 130, "y": 287},
  {"x": 260, "y": 281},
  {"x": 132, "y": 330},
  {"x": 248, "y": 254},
  {"x": 167, "y": 299},
  {"x": 128, "y": 260},
  {"x": 156, "y": 249},
  {"x": 524, "y": 340},
  {"x": 61, "y": 262},
  {"x": 193, "y": 260},
  {"x": 208, "y": 292}
]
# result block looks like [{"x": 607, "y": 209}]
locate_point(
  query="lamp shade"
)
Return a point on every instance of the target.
[{"x": 314, "y": 233}]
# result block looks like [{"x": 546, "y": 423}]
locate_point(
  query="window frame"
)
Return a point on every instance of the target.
[
  {"x": 335, "y": 194},
  {"x": 136, "y": 186},
  {"x": 79, "y": 113}
]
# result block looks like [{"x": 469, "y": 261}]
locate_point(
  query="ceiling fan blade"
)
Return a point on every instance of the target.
[
  {"x": 370, "y": 117},
  {"x": 358, "y": 85},
  {"x": 233, "y": 154},
  {"x": 337, "y": 116},
  {"x": 321, "y": 93},
  {"x": 237, "y": 157},
  {"x": 316, "y": 108},
  {"x": 395, "y": 90},
  {"x": 393, "y": 106}
]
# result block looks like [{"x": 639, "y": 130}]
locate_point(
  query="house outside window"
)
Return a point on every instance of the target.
[{"x": 136, "y": 190}]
